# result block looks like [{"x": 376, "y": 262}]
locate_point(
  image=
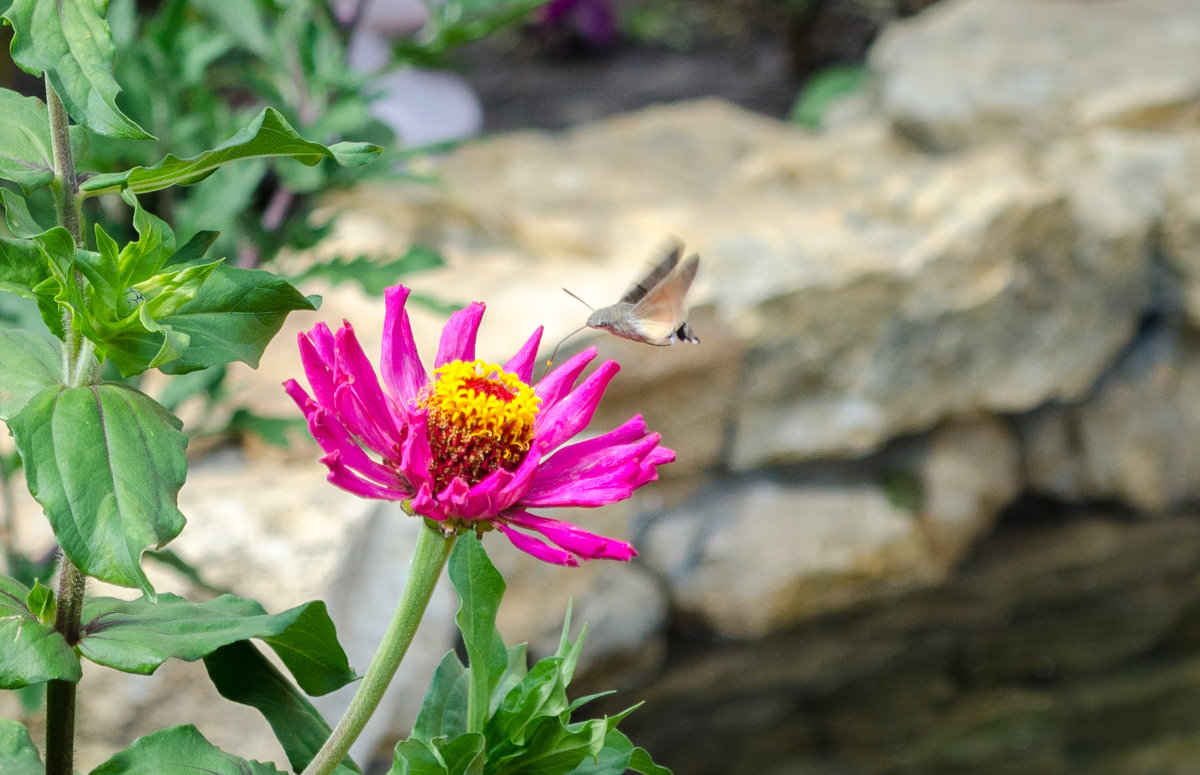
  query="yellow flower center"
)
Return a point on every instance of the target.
[{"x": 480, "y": 420}]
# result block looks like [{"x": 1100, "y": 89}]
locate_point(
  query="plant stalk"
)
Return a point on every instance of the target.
[
  {"x": 60, "y": 695},
  {"x": 66, "y": 182},
  {"x": 429, "y": 558}
]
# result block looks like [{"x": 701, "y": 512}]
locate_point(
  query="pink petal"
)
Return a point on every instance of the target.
[
  {"x": 631, "y": 430},
  {"x": 557, "y": 383},
  {"x": 458, "y": 337},
  {"x": 302, "y": 399},
  {"x": 403, "y": 372},
  {"x": 573, "y": 538},
  {"x": 353, "y": 369},
  {"x": 521, "y": 364},
  {"x": 516, "y": 487},
  {"x": 333, "y": 437},
  {"x": 537, "y": 548},
  {"x": 415, "y": 455},
  {"x": 363, "y": 423},
  {"x": 572, "y": 414},
  {"x": 427, "y": 504},
  {"x": 348, "y": 480},
  {"x": 317, "y": 368}
]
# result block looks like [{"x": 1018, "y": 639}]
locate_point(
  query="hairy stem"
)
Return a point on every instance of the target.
[
  {"x": 77, "y": 358},
  {"x": 60, "y": 695},
  {"x": 429, "y": 558},
  {"x": 66, "y": 182}
]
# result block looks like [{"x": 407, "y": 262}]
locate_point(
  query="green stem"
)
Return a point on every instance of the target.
[
  {"x": 60, "y": 695},
  {"x": 66, "y": 182},
  {"x": 429, "y": 558}
]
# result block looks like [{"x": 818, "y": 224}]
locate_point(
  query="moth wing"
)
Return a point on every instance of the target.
[
  {"x": 664, "y": 309},
  {"x": 656, "y": 275}
]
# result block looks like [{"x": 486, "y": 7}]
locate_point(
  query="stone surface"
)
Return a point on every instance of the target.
[
  {"x": 971, "y": 72},
  {"x": 1032, "y": 659},
  {"x": 1135, "y": 440},
  {"x": 969, "y": 472},
  {"x": 752, "y": 559},
  {"x": 855, "y": 290}
]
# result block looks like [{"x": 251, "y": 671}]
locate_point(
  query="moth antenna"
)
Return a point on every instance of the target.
[
  {"x": 550, "y": 362},
  {"x": 581, "y": 301}
]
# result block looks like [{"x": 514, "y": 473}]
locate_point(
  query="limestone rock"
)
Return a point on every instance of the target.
[
  {"x": 969, "y": 472},
  {"x": 850, "y": 289},
  {"x": 1135, "y": 440},
  {"x": 970, "y": 72},
  {"x": 761, "y": 557}
]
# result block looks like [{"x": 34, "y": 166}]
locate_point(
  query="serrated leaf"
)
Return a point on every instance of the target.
[
  {"x": 233, "y": 317},
  {"x": 551, "y": 748},
  {"x": 268, "y": 135},
  {"x": 69, "y": 41},
  {"x": 479, "y": 587},
  {"x": 179, "y": 751},
  {"x": 33, "y": 652},
  {"x": 373, "y": 275},
  {"x": 616, "y": 757},
  {"x": 32, "y": 363},
  {"x": 136, "y": 636},
  {"x": 18, "y": 754},
  {"x": 106, "y": 463},
  {"x": 25, "y": 155},
  {"x": 542, "y": 693},
  {"x": 242, "y": 674}
]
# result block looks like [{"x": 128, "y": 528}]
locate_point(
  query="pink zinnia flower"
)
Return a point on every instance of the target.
[{"x": 475, "y": 446}]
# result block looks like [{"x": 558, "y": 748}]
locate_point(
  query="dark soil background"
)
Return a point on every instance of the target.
[{"x": 755, "y": 53}]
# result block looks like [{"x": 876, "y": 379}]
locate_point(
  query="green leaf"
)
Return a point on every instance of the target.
[
  {"x": 552, "y": 747},
  {"x": 136, "y": 636},
  {"x": 22, "y": 267},
  {"x": 17, "y": 216},
  {"x": 614, "y": 758},
  {"x": 69, "y": 41},
  {"x": 18, "y": 754},
  {"x": 457, "y": 756},
  {"x": 33, "y": 652},
  {"x": 40, "y": 602},
  {"x": 268, "y": 135},
  {"x": 272, "y": 430},
  {"x": 823, "y": 89},
  {"x": 106, "y": 463},
  {"x": 25, "y": 155},
  {"x": 639, "y": 760},
  {"x": 444, "y": 709},
  {"x": 479, "y": 587},
  {"x": 242, "y": 674},
  {"x": 32, "y": 363},
  {"x": 374, "y": 276},
  {"x": 234, "y": 317},
  {"x": 169, "y": 558},
  {"x": 179, "y": 751}
]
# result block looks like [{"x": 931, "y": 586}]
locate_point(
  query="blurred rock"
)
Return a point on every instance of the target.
[
  {"x": 970, "y": 471},
  {"x": 759, "y": 557},
  {"x": 972, "y": 72},
  {"x": 856, "y": 290},
  {"x": 1135, "y": 440}
]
